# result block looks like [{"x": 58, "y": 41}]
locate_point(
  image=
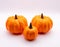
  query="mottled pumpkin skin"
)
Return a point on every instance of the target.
[
  {"x": 30, "y": 34},
  {"x": 43, "y": 25},
  {"x": 16, "y": 26}
]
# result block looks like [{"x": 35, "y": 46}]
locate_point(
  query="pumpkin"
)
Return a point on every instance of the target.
[
  {"x": 30, "y": 33},
  {"x": 43, "y": 23},
  {"x": 16, "y": 24}
]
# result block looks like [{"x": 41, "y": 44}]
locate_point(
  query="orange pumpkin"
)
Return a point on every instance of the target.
[
  {"x": 30, "y": 33},
  {"x": 43, "y": 23},
  {"x": 16, "y": 24}
]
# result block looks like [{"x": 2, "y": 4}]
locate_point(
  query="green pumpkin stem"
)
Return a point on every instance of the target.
[
  {"x": 30, "y": 26},
  {"x": 15, "y": 16},
  {"x": 42, "y": 15}
]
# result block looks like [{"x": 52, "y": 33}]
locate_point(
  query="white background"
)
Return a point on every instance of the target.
[{"x": 30, "y": 8}]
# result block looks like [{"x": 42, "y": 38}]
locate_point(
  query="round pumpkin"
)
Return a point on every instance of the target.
[
  {"x": 43, "y": 23},
  {"x": 30, "y": 33},
  {"x": 16, "y": 24}
]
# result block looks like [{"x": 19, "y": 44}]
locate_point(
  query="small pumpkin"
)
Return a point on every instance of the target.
[
  {"x": 43, "y": 23},
  {"x": 16, "y": 24},
  {"x": 30, "y": 33}
]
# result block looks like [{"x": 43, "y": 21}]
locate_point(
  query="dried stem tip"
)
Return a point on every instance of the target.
[
  {"x": 30, "y": 26},
  {"x": 15, "y": 16},
  {"x": 42, "y": 15}
]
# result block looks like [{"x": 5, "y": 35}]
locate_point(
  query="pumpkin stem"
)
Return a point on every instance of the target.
[
  {"x": 15, "y": 16},
  {"x": 42, "y": 15},
  {"x": 30, "y": 26}
]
